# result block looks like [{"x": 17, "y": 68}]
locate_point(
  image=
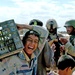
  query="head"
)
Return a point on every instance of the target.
[
  {"x": 30, "y": 41},
  {"x": 36, "y": 22},
  {"x": 65, "y": 65},
  {"x": 52, "y": 26},
  {"x": 70, "y": 27}
]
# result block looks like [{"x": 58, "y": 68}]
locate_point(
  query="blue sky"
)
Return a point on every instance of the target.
[{"x": 22, "y": 11}]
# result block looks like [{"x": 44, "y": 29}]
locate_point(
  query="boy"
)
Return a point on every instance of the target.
[
  {"x": 25, "y": 63},
  {"x": 65, "y": 65}
]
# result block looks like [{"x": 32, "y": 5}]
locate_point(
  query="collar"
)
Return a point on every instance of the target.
[
  {"x": 27, "y": 58},
  {"x": 24, "y": 56}
]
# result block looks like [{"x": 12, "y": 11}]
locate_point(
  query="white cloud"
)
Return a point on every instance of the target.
[{"x": 24, "y": 11}]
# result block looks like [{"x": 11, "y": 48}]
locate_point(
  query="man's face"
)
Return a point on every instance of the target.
[
  {"x": 31, "y": 44},
  {"x": 69, "y": 29},
  {"x": 51, "y": 30}
]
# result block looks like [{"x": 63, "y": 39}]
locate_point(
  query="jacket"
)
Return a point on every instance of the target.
[{"x": 45, "y": 59}]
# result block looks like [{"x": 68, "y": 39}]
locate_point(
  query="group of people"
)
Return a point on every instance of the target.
[{"x": 42, "y": 49}]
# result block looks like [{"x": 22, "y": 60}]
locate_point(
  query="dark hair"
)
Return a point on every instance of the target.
[
  {"x": 65, "y": 61},
  {"x": 30, "y": 32},
  {"x": 36, "y": 22}
]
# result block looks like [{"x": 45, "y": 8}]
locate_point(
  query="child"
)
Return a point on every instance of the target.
[
  {"x": 66, "y": 65},
  {"x": 25, "y": 63}
]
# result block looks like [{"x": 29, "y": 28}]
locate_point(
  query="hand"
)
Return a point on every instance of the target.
[
  {"x": 62, "y": 48},
  {"x": 52, "y": 41},
  {"x": 53, "y": 47},
  {"x": 63, "y": 40}
]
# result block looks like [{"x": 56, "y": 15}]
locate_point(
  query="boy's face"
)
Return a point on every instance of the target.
[
  {"x": 62, "y": 72},
  {"x": 66, "y": 71},
  {"x": 31, "y": 44}
]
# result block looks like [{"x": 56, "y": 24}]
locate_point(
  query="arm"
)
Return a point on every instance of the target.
[
  {"x": 48, "y": 54},
  {"x": 43, "y": 32},
  {"x": 23, "y": 26},
  {"x": 43, "y": 35},
  {"x": 69, "y": 48}
]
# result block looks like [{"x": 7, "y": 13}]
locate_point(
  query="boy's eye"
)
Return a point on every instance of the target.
[{"x": 30, "y": 40}]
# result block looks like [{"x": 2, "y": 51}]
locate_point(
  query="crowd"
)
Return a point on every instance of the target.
[{"x": 45, "y": 52}]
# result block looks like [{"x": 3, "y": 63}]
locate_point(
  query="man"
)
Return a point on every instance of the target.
[
  {"x": 65, "y": 65},
  {"x": 53, "y": 37},
  {"x": 69, "y": 45},
  {"x": 45, "y": 57}
]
